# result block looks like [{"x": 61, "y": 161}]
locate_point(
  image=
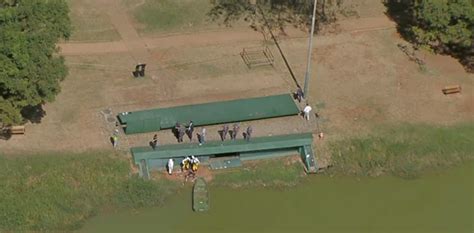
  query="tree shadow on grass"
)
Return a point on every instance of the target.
[
  {"x": 401, "y": 12},
  {"x": 33, "y": 114},
  {"x": 4, "y": 134}
]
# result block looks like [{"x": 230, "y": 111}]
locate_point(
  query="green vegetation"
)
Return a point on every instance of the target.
[
  {"x": 31, "y": 72},
  {"x": 446, "y": 26},
  {"x": 273, "y": 173},
  {"x": 60, "y": 192},
  {"x": 444, "y": 23},
  {"x": 404, "y": 151},
  {"x": 168, "y": 15}
]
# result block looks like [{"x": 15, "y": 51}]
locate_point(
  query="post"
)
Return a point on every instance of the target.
[{"x": 310, "y": 47}]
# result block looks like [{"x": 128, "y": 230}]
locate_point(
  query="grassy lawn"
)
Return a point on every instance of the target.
[
  {"x": 274, "y": 173},
  {"x": 89, "y": 23},
  {"x": 59, "y": 192},
  {"x": 169, "y": 15},
  {"x": 404, "y": 151}
]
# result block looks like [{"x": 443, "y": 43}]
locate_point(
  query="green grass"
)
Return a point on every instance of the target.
[
  {"x": 404, "y": 150},
  {"x": 274, "y": 173},
  {"x": 170, "y": 15},
  {"x": 47, "y": 193}
]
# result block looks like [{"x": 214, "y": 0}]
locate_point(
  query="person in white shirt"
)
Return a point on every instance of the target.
[
  {"x": 170, "y": 166},
  {"x": 306, "y": 111}
]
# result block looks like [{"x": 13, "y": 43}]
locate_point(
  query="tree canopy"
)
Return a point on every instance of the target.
[
  {"x": 30, "y": 69},
  {"x": 446, "y": 26},
  {"x": 442, "y": 23}
]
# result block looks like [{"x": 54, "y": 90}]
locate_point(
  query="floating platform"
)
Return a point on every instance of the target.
[
  {"x": 209, "y": 113},
  {"x": 200, "y": 195}
]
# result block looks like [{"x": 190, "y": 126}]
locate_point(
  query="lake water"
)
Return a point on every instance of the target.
[{"x": 441, "y": 202}]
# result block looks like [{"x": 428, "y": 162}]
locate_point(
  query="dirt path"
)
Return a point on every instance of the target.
[{"x": 131, "y": 40}]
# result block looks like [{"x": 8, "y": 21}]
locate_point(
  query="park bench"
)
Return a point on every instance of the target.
[
  {"x": 451, "y": 89},
  {"x": 19, "y": 129}
]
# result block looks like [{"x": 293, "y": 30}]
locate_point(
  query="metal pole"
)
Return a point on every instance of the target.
[{"x": 310, "y": 47}]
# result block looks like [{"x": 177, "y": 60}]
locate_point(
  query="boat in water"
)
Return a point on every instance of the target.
[{"x": 200, "y": 195}]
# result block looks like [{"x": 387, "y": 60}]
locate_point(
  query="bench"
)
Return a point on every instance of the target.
[
  {"x": 19, "y": 129},
  {"x": 451, "y": 89}
]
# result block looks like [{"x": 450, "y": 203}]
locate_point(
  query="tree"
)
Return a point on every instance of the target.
[
  {"x": 444, "y": 24},
  {"x": 30, "y": 69}
]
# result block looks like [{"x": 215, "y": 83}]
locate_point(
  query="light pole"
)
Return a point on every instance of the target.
[{"x": 310, "y": 47}]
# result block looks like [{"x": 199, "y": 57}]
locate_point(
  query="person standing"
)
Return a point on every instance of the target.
[
  {"x": 235, "y": 131},
  {"x": 248, "y": 134},
  {"x": 202, "y": 136},
  {"x": 170, "y": 166},
  {"x": 185, "y": 163},
  {"x": 194, "y": 163},
  {"x": 181, "y": 132},
  {"x": 299, "y": 94},
  {"x": 177, "y": 126},
  {"x": 306, "y": 111},
  {"x": 115, "y": 140},
  {"x": 225, "y": 130},
  {"x": 154, "y": 142},
  {"x": 190, "y": 130}
]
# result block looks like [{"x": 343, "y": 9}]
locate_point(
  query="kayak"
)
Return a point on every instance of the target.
[{"x": 200, "y": 196}]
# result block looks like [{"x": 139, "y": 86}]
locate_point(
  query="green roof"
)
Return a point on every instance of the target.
[
  {"x": 209, "y": 113},
  {"x": 222, "y": 147}
]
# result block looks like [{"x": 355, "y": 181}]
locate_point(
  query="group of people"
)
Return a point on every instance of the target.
[
  {"x": 234, "y": 132},
  {"x": 299, "y": 94},
  {"x": 180, "y": 130},
  {"x": 190, "y": 163}
]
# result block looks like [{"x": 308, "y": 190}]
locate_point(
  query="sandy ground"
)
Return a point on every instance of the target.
[{"x": 360, "y": 80}]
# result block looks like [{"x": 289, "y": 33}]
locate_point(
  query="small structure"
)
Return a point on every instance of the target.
[
  {"x": 228, "y": 154},
  {"x": 139, "y": 70},
  {"x": 451, "y": 89},
  {"x": 18, "y": 129},
  {"x": 200, "y": 196},
  {"x": 257, "y": 56},
  {"x": 209, "y": 113}
]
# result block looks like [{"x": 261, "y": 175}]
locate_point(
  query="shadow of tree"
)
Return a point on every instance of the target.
[
  {"x": 34, "y": 114},
  {"x": 268, "y": 16},
  {"x": 4, "y": 134},
  {"x": 402, "y": 12},
  {"x": 278, "y": 13}
]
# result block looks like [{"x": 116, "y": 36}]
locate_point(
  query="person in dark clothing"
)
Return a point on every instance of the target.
[
  {"x": 175, "y": 130},
  {"x": 190, "y": 130},
  {"x": 225, "y": 130},
  {"x": 154, "y": 142},
  {"x": 235, "y": 131},
  {"x": 299, "y": 94},
  {"x": 248, "y": 134},
  {"x": 181, "y": 132}
]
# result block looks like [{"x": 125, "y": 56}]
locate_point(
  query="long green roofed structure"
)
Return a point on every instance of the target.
[
  {"x": 257, "y": 147},
  {"x": 209, "y": 113}
]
